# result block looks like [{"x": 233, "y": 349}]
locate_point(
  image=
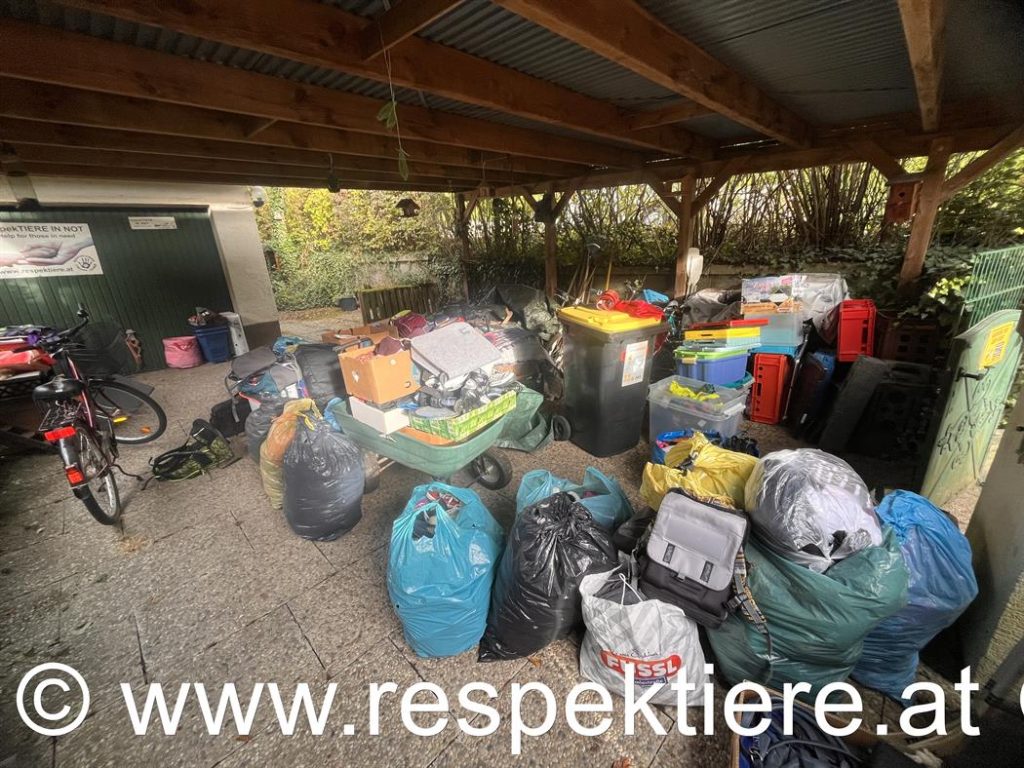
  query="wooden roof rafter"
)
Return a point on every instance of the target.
[
  {"x": 70, "y": 108},
  {"x": 326, "y": 36},
  {"x": 35, "y": 53}
]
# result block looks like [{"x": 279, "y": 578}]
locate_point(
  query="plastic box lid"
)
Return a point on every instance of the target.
[
  {"x": 606, "y": 321},
  {"x": 711, "y": 353},
  {"x": 728, "y": 401}
]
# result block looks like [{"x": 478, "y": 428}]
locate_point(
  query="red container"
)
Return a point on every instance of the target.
[
  {"x": 771, "y": 380},
  {"x": 856, "y": 329}
]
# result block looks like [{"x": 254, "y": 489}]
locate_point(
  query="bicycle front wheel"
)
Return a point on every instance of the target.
[
  {"x": 99, "y": 494},
  {"x": 135, "y": 418}
]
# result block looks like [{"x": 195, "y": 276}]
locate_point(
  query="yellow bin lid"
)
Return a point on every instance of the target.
[{"x": 606, "y": 321}]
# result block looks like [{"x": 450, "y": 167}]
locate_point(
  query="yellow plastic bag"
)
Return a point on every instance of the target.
[
  {"x": 708, "y": 471},
  {"x": 282, "y": 432}
]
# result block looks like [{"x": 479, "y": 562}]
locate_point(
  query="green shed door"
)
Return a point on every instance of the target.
[
  {"x": 984, "y": 361},
  {"x": 152, "y": 279}
]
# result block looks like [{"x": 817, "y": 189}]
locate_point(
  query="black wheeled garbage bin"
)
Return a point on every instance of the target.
[{"x": 607, "y": 369}]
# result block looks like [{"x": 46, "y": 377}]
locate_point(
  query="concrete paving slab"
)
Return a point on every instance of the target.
[{"x": 204, "y": 579}]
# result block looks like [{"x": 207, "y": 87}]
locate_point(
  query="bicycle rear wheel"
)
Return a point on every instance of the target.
[
  {"x": 135, "y": 417},
  {"x": 99, "y": 494}
]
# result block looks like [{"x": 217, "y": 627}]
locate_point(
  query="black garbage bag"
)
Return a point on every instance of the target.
[
  {"x": 257, "y": 425},
  {"x": 536, "y": 599},
  {"x": 323, "y": 482}
]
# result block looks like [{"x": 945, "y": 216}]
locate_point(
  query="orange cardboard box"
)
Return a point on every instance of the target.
[
  {"x": 375, "y": 332},
  {"x": 377, "y": 378}
]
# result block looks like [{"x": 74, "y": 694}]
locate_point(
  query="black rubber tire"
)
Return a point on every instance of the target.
[
  {"x": 97, "y": 386},
  {"x": 561, "y": 429},
  {"x": 85, "y": 495},
  {"x": 492, "y": 470},
  {"x": 81, "y": 453},
  {"x": 371, "y": 471}
]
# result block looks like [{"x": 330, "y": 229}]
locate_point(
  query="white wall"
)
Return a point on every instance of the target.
[{"x": 231, "y": 213}]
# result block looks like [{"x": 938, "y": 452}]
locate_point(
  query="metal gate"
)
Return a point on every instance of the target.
[
  {"x": 983, "y": 362},
  {"x": 997, "y": 282}
]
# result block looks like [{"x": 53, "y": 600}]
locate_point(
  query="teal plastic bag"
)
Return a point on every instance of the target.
[
  {"x": 440, "y": 569},
  {"x": 817, "y": 621},
  {"x": 600, "y": 494}
]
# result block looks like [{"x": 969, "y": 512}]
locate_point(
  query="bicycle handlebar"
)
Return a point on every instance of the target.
[{"x": 58, "y": 339}]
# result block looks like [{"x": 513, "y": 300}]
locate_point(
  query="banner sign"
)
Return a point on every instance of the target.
[{"x": 33, "y": 249}]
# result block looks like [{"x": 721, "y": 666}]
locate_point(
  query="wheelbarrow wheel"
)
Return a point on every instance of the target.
[
  {"x": 561, "y": 429},
  {"x": 371, "y": 471},
  {"x": 492, "y": 470}
]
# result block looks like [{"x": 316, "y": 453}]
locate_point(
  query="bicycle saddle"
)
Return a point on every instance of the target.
[{"x": 59, "y": 388}]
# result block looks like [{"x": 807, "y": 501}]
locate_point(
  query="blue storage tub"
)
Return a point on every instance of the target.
[
  {"x": 215, "y": 342},
  {"x": 722, "y": 370}
]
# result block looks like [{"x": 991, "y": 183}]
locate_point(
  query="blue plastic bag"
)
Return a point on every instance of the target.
[
  {"x": 600, "y": 494},
  {"x": 942, "y": 585},
  {"x": 440, "y": 570}
]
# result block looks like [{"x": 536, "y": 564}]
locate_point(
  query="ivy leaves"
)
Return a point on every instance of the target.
[{"x": 388, "y": 115}]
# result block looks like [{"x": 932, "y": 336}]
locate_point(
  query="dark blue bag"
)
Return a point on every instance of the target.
[{"x": 942, "y": 585}]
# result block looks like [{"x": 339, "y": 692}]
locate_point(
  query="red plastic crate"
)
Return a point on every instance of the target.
[
  {"x": 771, "y": 379},
  {"x": 856, "y": 329}
]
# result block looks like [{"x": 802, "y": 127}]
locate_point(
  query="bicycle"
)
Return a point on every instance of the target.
[{"x": 86, "y": 417}]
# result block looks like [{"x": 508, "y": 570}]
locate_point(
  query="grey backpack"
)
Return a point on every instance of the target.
[{"x": 691, "y": 557}]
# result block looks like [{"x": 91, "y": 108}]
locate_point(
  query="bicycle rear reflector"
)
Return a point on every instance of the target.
[
  {"x": 75, "y": 476},
  {"x": 56, "y": 435}
]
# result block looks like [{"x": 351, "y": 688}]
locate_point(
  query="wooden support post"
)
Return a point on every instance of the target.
[
  {"x": 550, "y": 257},
  {"x": 688, "y": 186},
  {"x": 462, "y": 214},
  {"x": 927, "y": 209}
]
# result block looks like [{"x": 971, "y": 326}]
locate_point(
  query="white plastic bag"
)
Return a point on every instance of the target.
[{"x": 624, "y": 627}]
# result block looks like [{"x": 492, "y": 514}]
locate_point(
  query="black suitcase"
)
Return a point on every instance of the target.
[{"x": 321, "y": 371}]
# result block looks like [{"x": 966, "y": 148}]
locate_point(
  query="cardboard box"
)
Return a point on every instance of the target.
[
  {"x": 378, "y": 379},
  {"x": 374, "y": 331},
  {"x": 384, "y": 421}
]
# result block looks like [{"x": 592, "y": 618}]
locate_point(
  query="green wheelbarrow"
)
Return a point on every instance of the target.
[{"x": 485, "y": 463}]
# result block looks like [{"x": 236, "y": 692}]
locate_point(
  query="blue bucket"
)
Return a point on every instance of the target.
[{"x": 215, "y": 341}]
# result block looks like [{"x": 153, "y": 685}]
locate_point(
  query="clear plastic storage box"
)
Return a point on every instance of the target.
[{"x": 670, "y": 413}]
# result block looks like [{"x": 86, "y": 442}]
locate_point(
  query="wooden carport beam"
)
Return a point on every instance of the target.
[
  {"x": 927, "y": 209},
  {"x": 924, "y": 26},
  {"x": 34, "y": 52},
  {"x": 626, "y": 33},
  {"x": 323, "y": 35},
  {"x": 882, "y": 161},
  {"x": 140, "y": 122},
  {"x": 402, "y": 21},
  {"x": 979, "y": 165},
  {"x": 675, "y": 113},
  {"x": 730, "y": 168}
]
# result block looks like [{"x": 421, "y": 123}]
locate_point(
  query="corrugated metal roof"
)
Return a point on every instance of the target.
[
  {"x": 990, "y": 68},
  {"x": 485, "y": 30},
  {"x": 828, "y": 60},
  {"x": 831, "y": 61}
]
